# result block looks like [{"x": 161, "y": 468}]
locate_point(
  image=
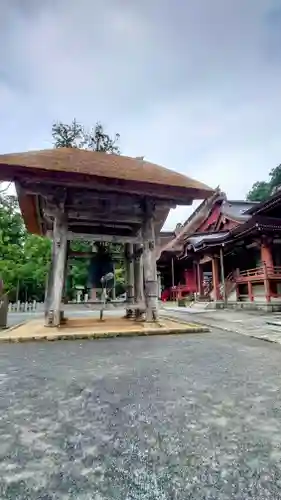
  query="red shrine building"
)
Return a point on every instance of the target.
[{"x": 227, "y": 253}]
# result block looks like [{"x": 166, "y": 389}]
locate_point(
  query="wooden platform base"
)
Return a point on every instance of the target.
[{"x": 92, "y": 328}]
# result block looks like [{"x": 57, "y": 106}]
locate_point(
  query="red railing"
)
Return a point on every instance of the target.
[
  {"x": 274, "y": 271},
  {"x": 176, "y": 291},
  {"x": 255, "y": 274},
  {"x": 258, "y": 273}
]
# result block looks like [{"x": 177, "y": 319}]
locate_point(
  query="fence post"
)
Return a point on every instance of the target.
[{"x": 4, "y": 304}]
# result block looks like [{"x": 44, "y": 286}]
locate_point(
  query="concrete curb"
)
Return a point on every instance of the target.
[
  {"x": 184, "y": 322},
  {"x": 106, "y": 335}
]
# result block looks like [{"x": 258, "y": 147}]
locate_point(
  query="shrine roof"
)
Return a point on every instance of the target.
[
  {"x": 256, "y": 224},
  {"x": 191, "y": 224},
  {"x": 196, "y": 241},
  {"x": 237, "y": 210},
  {"x": 81, "y": 162}
]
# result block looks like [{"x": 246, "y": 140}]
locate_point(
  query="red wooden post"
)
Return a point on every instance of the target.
[
  {"x": 250, "y": 291},
  {"x": 267, "y": 262},
  {"x": 266, "y": 254},
  {"x": 200, "y": 278},
  {"x": 215, "y": 275},
  {"x": 266, "y": 284}
]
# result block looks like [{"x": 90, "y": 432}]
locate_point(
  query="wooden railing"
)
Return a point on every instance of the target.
[
  {"x": 176, "y": 291},
  {"x": 273, "y": 271},
  {"x": 255, "y": 274},
  {"x": 260, "y": 272},
  {"x": 255, "y": 271}
]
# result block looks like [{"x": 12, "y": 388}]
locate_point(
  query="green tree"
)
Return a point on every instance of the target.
[
  {"x": 24, "y": 258},
  {"x": 275, "y": 178},
  {"x": 12, "y": 235},
  {"x": 261, "y": 190},
  {"x": 68, "y": 136},
  {"x": 35, "y": 265},
  {"x": 76, "y": 136},
  {"x": 98, "y": 140}
]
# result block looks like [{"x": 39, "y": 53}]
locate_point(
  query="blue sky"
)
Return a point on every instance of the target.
[{"x": 192, "y": 85}]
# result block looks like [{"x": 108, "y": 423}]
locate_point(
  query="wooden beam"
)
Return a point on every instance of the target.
[
  {"x": 91, "y": 224},
  {"x": 102, "y": 200},
  {"x": 139, "y": 189},
  {"x": 75, "y": 194},
  {"x": 106, "y": 238},
  {"x": 90, "y": 216}
]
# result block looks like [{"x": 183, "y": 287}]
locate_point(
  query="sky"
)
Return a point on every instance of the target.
[{"x": 193, "y": 85}]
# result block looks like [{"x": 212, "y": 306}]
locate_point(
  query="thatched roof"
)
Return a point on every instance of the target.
[{"x": 92, "y": 163}]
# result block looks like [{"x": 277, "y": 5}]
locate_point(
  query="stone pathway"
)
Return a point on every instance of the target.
[
  {"x": 265, "y": 326},
  {"x": 185, "y": 417}
]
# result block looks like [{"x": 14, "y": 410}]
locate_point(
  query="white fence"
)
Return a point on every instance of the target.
[
  {"x": 26, "y": 306},
  {"x": 35, "y": 306}
]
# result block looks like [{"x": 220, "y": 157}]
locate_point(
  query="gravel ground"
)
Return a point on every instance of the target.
[{"x": 195, "y": 416}]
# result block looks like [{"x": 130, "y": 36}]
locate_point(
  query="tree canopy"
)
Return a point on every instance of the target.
[
  {"x": 261, "y": 190},
  {"x": 76, "y": 136},
  {"x": 24, "y": 258}
]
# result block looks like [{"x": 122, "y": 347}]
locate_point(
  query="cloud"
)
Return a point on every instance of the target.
[{"x": 194, "y": 86}]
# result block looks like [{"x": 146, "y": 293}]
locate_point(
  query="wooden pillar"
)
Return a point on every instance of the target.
[
  {"x": 216, "y": 280},
  {"x": 266, "y": 283},
  {"x": 113, "y": 293},
  {"x": 235, "y": 275},
  {"x": 64, "y": 291},
  {"x": 149, "y": 267},
  {"x": 173, "y": 271},
  {"x": 267, "y": 262},
  {"x": 250, "y": 291},
  {"x": 53, "y": 318},
  {"x": 159, "y": 285},
  {"x": 224, "y": 295},
  {"x": 266, "y": 254},
  {"x": 138, "y": 281},
  {"x": 49, "y": 285},
  {"x": 200, "y": 287},
  {"x": 138, "y": 274},
  {"x": 129, "y": 266}
]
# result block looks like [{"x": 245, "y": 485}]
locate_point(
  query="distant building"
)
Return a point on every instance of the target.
[{"x": 228, "y": 251}]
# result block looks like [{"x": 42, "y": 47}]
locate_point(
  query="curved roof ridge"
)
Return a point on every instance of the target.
[
  {"x": 107, "y": 165},
  {"x": 236, "y": 210},
  {"x": 196, "y": 218}
]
